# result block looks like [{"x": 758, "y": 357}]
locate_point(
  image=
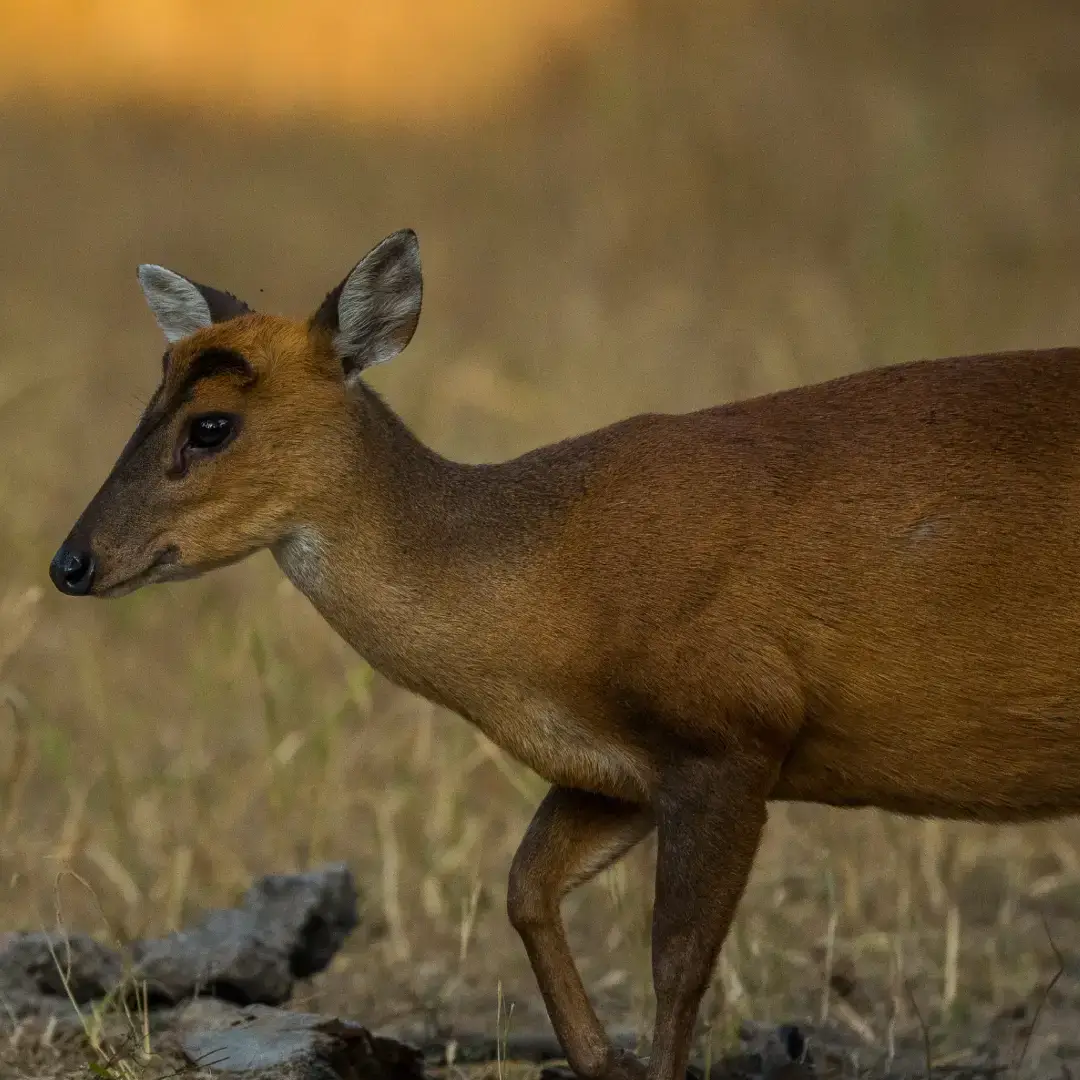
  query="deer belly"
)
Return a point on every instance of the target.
[{"x": 564, "y": 751}]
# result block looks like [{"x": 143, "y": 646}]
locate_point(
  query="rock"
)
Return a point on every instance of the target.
[
  {"x": 288, "y": 926},
  {"x": 31, "y": 983},
  {"x": 479, "y": 1049},
  {"x": 318, "y": 910},
  {"x": 225, "y": 957},
  {"x": 275, "y": 1044}
]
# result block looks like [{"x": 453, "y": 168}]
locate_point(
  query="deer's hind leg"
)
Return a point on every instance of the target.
[{"x": 572, "y": 837}]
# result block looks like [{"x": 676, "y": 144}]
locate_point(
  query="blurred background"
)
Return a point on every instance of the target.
[{"x": 623, "y": 205}]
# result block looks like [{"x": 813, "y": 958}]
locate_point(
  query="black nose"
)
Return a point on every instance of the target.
[{"x": 72, "y": 571}]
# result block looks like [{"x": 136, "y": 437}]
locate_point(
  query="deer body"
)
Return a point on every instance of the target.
[
  {"x": 861, "y": 593},
  {"x": 881, "y": 573}
]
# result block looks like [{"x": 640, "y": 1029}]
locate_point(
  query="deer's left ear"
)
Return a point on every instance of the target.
[
  {"x": 182, "y": 306},
  {"x": 373, "y": 313}
]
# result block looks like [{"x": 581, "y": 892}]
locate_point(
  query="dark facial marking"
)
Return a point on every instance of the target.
[
  {"x": 213, "y": 362},
  {"x": 209, "y": 364}
]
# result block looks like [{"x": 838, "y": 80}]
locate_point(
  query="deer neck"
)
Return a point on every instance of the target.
[{"x": 411, "y": 557}]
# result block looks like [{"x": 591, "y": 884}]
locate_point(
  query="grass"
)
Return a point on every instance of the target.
[{"x": 699, "y": 208}]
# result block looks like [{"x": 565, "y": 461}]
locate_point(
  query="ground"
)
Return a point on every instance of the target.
[{"x": 712, "y": 202}]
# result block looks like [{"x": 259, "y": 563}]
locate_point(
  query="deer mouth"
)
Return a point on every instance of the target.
[{"x": 164, "y": 566}]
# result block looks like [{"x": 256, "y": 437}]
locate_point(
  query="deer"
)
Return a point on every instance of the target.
[{"x": 863, "y": 592}]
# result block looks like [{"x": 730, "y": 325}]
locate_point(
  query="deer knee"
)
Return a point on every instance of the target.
[{"x": 529, "y": 901}]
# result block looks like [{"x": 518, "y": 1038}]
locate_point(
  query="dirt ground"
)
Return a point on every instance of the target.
[{"x": 704, "y": 203}]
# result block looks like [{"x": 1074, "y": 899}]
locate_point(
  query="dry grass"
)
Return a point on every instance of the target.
[{"x": 703, "y": 208}]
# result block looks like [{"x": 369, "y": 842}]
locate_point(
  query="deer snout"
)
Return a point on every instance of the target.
[{"x": 72, "y": 569}]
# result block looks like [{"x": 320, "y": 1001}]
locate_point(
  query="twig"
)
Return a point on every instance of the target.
[
  {"x": 923, "y": 1028},
  {"x": 830, "y": 950},
  {"x": 1042, "y": 1000}
]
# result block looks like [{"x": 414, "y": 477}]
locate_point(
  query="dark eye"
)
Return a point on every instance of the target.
[{"x": 209, "y": 432}]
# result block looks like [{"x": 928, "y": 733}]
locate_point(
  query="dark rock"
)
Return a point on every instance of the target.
[
  {"x": 288, "y": 926},
  {"x": 768, "y": 1052},
  {"x": 477, "y": 1049},
  {"x": 226, "y": 956},
  {"x": 276, "y": 1044},
  {"x": 316, "y": 910},
  {"x": 791, "y": 1038},
  {"x": 31, "y": 983}
]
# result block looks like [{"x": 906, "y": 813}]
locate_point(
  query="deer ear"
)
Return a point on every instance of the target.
[
  {"x": 181, "y": 306},
  {"x": 372, "y": 315}
]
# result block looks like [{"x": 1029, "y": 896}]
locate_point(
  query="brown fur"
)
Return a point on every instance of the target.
[{"x": 860, "y": 593}]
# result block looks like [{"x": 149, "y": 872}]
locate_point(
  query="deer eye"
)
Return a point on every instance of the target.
[{"x": 211, "y": 431}]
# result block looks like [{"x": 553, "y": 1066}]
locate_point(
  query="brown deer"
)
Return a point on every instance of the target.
[{"x": 860, "y": 593}]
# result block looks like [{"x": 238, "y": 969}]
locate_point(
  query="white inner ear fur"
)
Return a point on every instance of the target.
[
  {"x": 178, "y": 306},
  {"x": 377, "y": 310}
]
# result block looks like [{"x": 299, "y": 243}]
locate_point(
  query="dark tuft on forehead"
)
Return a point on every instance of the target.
[
  {"x": 218, "y": 361},
  {"x": 211, "y": 363}
]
